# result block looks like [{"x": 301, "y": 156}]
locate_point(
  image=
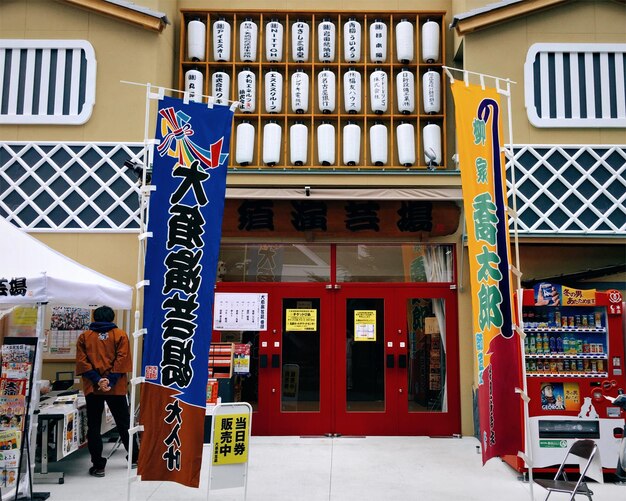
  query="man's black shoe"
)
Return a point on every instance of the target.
[{"x": 96, "y": 472}]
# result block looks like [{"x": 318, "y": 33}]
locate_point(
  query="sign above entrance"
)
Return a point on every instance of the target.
[{"x": 340, "y": 218}]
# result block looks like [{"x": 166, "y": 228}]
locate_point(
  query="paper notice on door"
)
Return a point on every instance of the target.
[
  {"x": 431, "y": 326},
  {"x": 365, "y": 325}
]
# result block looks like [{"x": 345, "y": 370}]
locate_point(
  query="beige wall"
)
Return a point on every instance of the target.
[
  {"x": 502, "y": 49},
  {"x": 123, "y": 52}
]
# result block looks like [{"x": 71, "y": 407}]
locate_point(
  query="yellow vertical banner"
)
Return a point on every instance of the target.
[{"x": 483, "y": 178}]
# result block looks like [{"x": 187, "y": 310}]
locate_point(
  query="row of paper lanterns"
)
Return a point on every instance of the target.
[
  {"x": 351, "y": 144},
  {"x": 326, "y": 86},
  {"x": 300, "y": 33}
]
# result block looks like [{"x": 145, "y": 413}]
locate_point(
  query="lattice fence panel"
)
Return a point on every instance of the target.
[{"x": 70, "y": 186}]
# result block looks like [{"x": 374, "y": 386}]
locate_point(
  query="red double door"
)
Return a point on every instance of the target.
[{"x": 354, "y": 359}]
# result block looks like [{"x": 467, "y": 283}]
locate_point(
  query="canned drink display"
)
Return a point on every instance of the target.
[
  {"x": 586, "y": 366},
  {"x": 566, "y": 365},
  {"x": 577, "y": 321},
  {"x": 599, "y": 348},
  {"x": 598, "y": 319},
  {"x": 579, "y": 365},
  {"x": 584, "y": 320},
  {"x": 559, "y": 365},
  {"x": 553, "y": 366},
  {"x": 594, "y": 366},
  {"x": 600, "y": 365},
  {"x": 557, "y": 318},
  {"x": 570, "y": 321},
  {"x": 533, "y": 365},
  {"x": 564, "y": 321},
  {"x": 590, "y": 321}
]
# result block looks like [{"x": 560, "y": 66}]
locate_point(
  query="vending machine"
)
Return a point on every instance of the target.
[{"x": 574, "y": 359}]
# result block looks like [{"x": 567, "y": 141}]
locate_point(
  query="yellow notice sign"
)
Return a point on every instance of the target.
[
  {"x": 230, "y": 439},
  {"x": 365, "y": 325},
  {"x": 578, "y": 297},
  {"x": 25, "y": 317},
  {"x": 301, "y": 320}
]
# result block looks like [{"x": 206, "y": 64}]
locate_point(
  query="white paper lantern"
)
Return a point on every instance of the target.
[
  {"x": 326, "y": 91},
  {"x": 298, "y": 143},
  {"x": 274, "y": 41},
  {"x": 431, "y": 89},
  {"x": 196, "y": 40},
  {"x": 352, "y": 41},
  {"x": 221, "y": 40},
  {"x": 248, "y": 32},
  {"x": 378, "y": 144},
  {"x": 246, "y": 85},
  {"x": 430, "y": 42},
  {"x": 220, "y": 87},
  {"x": 299, "y": 92},
  {"x": 405, "y": 136},
  {"x": 378, "y": 91},
  {"x": 194, "y": 83},
  {"x": 273, "y": 92},
  {"x": 272, "y": 135},
  {"x": 326, "y": 41},
  {"x": 404, "y": 41},
  {"x": 405, "y": 91},
  {"x": 326, "y": 144},
  {"x": 244, "y": 152},
  {"x": 431, "y": 138},
  {"x": 351, "y": 144},
  {"x": 352, "y": 91},
  {"x": 378, "y": 42},
  {"x": 300, "y": 41}
]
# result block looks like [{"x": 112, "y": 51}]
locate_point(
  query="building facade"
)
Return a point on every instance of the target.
[{"x": 373, "y": 253}]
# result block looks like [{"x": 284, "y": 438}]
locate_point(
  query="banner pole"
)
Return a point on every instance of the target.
[{"x": 528, "y": 458}]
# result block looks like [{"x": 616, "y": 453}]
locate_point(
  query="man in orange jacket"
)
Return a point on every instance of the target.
[{"x": 103, "y": 359}]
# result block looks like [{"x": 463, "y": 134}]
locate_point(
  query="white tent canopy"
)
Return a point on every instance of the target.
[{"x": 50, "y": 277}]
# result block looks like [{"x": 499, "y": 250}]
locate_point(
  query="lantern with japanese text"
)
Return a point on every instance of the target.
[
  {"x": 274, "y": 41},
  {"x": 298, "y": 143},
  {"x": 221, "y": 40},
  {"x": 272, "y": 135},
  {"x": 194, "y": 83},
  {"x": 273, "y": 92},
  {"x": 352, "y": 91},
  {"x": 220, "y": 87},
  {"x": 378, "y": 144},
  {"x": 326, "y": 143},
  {"x": 430, "y": 42},
  {"x": 248, "y": 32},
  {"x": 404, "y": 41},
  {"x": 244, "y": 152},
  {"x": 352, "y": 41},
  {"x": 326, "y": 91},
  {"x": 378, "y": 41},
  {"x": 378, "y": 91},
  {"x": 431, "y": 89},
  {"x": 300, "y": 41},
  {"x": 405, "y": 137},
  {"x": 431, "y": 138},
  {"x": 246, "y": 84},
  {"x": 196, "y": 40},
  {"x": 299, "y": 92},
  {"x": 326, "y": 41},
  {"x": 351, "y": 143},
  {"x": 405, "y": 90}
]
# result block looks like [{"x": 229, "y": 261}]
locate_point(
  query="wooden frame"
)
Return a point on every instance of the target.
[{"x": 314, "y": 117}]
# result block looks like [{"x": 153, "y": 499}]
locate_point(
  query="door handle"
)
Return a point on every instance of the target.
[
  {"x": 390, "y": 362},
  {"x": 402, "y": 361},
  {"x": 275, "y": 361},
  {"x": 263, "y": 361}
]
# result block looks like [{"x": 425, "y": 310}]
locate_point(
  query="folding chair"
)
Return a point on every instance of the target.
[{"x": 584, "y": 449}]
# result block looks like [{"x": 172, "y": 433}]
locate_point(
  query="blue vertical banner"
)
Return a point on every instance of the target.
[{"x": 185, "y": 218}]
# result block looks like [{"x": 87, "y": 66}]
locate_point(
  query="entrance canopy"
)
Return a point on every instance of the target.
[{"x": 31, "y": 272}]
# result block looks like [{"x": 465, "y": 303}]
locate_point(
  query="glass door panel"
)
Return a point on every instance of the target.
[
  {"x": 365, "y": 368},
  {"x": 426, "y": 355},
  {"x": 300, "y": 388}
]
